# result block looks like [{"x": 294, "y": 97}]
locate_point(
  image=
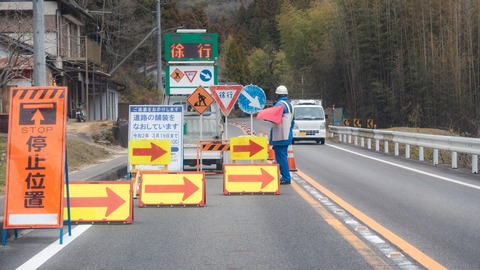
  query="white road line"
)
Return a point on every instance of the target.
[
  {"x": 410, "y": 169},
  {"x": 44, "y": 255}
]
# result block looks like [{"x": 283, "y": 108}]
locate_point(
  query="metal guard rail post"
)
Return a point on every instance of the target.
[{"x": 436, "y": 142}]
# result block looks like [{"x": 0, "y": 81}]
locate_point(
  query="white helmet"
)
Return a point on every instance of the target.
[{"x": 281, "y": 90}]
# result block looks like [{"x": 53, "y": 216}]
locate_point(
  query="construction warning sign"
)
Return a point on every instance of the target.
[
  {"x": 248, "y": 148},
  {"x": 101, "y": 201},
  {"x": 177, "y": 75},
  {"x": 251, "y": 178},
  {"x": 35, "y": 158},
  {"x": 200, "y": 100},
  {"x": 149, "y": 152},
  {"x": 163, "y": 188}
]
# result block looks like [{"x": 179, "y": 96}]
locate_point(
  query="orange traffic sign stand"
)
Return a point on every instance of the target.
[
  {"x": 251, "y": 179},
  {"x": 249, "y": 148},
  {"x": 101, "y": 201},
  {"x": 36, "y": 159},
  {"x": 172, "y": 188}
]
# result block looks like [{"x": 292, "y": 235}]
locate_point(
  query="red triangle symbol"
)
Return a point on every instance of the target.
[
  {"x": 190, "y": 74},
  {"x": 226, "y": 96}
]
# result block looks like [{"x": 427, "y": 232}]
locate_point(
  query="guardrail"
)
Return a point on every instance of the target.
[{"x": 436, "y": 142}]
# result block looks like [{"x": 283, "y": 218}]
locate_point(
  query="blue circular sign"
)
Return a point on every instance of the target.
[
  {"x": 252, "y": 99},
  {"x": 206, "y": 75}
]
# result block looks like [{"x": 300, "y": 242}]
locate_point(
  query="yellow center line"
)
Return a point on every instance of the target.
[
  {"x": 409, "y": 249},
  {"x": 368, "y": 254}
]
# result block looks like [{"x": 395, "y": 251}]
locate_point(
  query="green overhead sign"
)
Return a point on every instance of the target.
[{"x": 191, "y": 46}]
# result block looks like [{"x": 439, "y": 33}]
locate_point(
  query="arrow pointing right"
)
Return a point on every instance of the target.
[
  {"x": 112, "y": 202},
  {"x": 188, "y": 188},
  {"x": 252, "y": 148},
  {"x": 265, "y": 178},
  {"x": 154, "y": 151}
]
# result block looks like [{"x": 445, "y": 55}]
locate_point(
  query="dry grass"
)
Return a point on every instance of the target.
[{"x": 81, "y": 154}]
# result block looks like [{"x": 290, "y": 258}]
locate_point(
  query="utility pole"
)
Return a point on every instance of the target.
[
  {"x": 159, "y": 52},
  {"x": 39, "y": 69}
]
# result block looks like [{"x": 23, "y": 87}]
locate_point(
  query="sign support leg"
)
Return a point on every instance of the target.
[
  {"x": 251, "y": 125},
  {"x": 61, "y": 236},
  {"x": 67, "y": 190},
  {"x": 226, "y": 127},
  {"x": 4, "y": 237}
]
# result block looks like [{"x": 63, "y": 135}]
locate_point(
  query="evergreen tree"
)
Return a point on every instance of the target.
[{"x": 236, "y": 64}]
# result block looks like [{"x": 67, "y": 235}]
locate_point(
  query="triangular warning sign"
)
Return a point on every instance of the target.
[
  {"x": 190, "y": 74},
  {"x": 226, "y": 96}
]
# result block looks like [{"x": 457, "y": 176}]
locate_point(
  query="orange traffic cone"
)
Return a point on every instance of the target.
[
  {"x": 271, "y": 152},
  {"x": 291, "y": 159}
]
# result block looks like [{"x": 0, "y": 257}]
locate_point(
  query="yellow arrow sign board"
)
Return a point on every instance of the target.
[
  {"x": 149, "y": 152},
  {"x": 251, "y": 178},
  {"x": 248, "y": 148},
  {"x": 100, "y": 201},
  {"x": 163, "y": 188}
]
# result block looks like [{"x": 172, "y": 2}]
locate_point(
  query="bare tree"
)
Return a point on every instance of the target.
[{"x": 16, "y": 61}]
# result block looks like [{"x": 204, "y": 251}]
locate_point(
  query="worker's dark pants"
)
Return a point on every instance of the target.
[{"x": 281, "y": 155}]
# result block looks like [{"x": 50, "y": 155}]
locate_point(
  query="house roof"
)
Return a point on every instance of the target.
[{"x": 74, "y": 5}]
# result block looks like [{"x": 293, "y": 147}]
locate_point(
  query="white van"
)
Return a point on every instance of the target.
[{"x": 309, "y": 120}]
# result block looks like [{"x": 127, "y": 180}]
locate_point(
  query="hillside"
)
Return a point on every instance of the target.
[{"x": 215, "y": 9}]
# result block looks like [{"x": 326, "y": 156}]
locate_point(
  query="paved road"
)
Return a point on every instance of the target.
[
  {"x": 230, "y": 232},
  {"x": 433, "y": 208},
  {"x": 302, "y": 228}
]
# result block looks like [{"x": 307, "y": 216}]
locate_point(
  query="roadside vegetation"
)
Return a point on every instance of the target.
[{"x": 400, "y": 63}]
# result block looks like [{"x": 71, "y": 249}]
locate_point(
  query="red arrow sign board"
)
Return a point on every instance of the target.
[
  {"x": 226, "y": 96},
  {"x": 149, "y": 152},
  {"x": 100, "y": 201},
  {"x": 164, "y": 188},
  {"x": 251, "y": 178},
  {"x": 248, "y": 148}
]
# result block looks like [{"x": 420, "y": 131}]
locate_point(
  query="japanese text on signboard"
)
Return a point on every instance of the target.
[
  {"x": 191, "y": 50},
  {"x": 155, "y": 122}
]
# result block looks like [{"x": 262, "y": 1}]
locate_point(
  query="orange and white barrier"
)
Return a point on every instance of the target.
[{"x": 291, "y": 159}]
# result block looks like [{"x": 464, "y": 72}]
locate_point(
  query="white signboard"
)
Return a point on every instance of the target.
[
  {"x": 185, "y": 79},
  {"x": 164, "y": 122}
]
